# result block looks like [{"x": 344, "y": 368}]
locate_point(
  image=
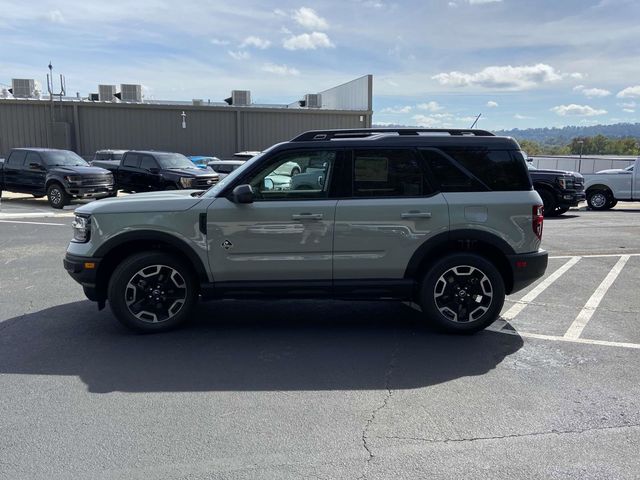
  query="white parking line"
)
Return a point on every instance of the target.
[
  {"x": 597, "y": 255},
  {"x": 555, "y": 338},
  {"x": 34, "y": 223},
  {"x": 541, "y": 287},
  {"x": 576, "y": 328}
]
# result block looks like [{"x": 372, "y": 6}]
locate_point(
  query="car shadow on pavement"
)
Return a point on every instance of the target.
[{"x": 250, "y": 346}]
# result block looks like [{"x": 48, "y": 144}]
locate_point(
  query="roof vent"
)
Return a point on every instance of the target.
[{"x": 23, "y": 87}]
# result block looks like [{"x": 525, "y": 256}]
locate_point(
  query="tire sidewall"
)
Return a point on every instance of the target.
[
  {"x": 63, "y": 196},
  {"x": 607, "y": 200},
  {"x": 125, "y": 271},
  {"x": 428, "y": 303},
  {"x": 549, "y": 203}
]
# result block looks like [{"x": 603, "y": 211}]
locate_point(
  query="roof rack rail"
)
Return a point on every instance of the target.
[{"x": 368, "y": 132}]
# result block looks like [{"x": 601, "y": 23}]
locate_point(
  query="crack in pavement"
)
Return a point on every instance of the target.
[
  {"x": 388, "y": 394},
  {"x": 513, "y": 435}
]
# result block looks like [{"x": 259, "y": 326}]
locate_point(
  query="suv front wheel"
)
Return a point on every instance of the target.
[
  {"x": 462, "y": 293},
  {"x": 152, "y": 292}
]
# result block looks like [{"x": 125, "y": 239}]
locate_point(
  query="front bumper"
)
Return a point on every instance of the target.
[
  {"x": 92, "y": 191},
  {"x": 570, "y": 198},
  {"x": 83, "y": 270},
  {"x": 526, "y": 268}
]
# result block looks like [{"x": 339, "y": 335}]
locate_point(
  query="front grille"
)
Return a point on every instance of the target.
[
  {"x": 97, "y": 180},
  {"x": 205, "y": 182}
]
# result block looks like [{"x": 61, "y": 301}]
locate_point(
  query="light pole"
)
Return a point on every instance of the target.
[{"x": 581, "y": 142}]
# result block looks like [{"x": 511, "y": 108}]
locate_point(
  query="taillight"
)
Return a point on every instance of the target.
[{"x": 537, "y": 218}]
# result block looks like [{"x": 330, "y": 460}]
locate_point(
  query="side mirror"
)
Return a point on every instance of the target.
[
  {"x": 243, "y": 194},
  {"x": 154, "y": 170},
  {"x": 35, "y": 166},
  {"x": 268, "y": 183}
]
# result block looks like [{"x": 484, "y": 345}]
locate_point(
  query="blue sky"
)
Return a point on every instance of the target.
[{"x": 521, "y": 63}]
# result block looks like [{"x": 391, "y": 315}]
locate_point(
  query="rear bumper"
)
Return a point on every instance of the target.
[
  {"x": 527, "y": 268},
  {"x": 83, "y": 270}
]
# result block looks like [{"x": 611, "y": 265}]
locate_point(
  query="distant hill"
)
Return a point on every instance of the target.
[{"x": 564, "y": 135}]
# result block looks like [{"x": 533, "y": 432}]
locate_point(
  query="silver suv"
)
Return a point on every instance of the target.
[{"x": 447, "y": 219}]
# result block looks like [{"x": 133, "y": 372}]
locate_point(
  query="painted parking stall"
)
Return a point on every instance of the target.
[{"x": 581, "y": 299}]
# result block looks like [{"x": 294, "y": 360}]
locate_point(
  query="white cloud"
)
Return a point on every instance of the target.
[
  {"x": 631, "y": 104},
  {"x": 308, "y": 18},
  {"x": 239, "y": 55},
  {"x": 577, "y": 110},
  {"x": 481, "y": 2},
  {"x": 430, "y": 106},
  {"x": 255, "y": 42},
  {"x": 517, "y": 116},
  {"x": 502, "y": 77},
  {"x": 629, "y": 92},
  {"x": 492, "y": 104},
  {"x": 629, "y": 110},
  {"x": 405, "y": 109},
  {"x": 308, "y": 41},
  {"x": 592, "y": 92},
  {"x": 55, "y": 16},
  {"x": 217, "y": 41},
  {"x": 280, "y": 69},
  {"x": 426, "y": 121}
]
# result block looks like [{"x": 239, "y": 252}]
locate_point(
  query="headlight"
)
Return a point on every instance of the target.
[
  {"x": 81, "y": 229},
  {"x": 562, "y": 182},
  {"x": 73, "y": 178},
  {"x": 186, "y": 182}
]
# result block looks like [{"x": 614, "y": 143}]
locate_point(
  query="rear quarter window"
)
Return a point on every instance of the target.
[{"x": 499, "y": 170}]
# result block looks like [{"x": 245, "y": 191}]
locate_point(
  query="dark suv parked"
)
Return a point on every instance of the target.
[
  {"x": 147, "y": 171},
  {"x": 59, "y": 174},
  {"x": 559, "y": 189}
]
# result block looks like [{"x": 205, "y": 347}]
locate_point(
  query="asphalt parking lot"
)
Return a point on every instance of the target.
[{"x": 304, "y": 389}]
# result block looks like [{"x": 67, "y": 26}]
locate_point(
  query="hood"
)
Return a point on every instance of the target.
[
  {"x": 556, "y": 172},
  {"x": 69, "y": 170},
  {"x": 192, "y": 172},
  {"x": 611, "y": 170},
  {"x": 150, "y": 202}
]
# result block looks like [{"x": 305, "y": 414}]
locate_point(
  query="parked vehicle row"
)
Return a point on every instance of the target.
[{"x": 559, "y": 189}]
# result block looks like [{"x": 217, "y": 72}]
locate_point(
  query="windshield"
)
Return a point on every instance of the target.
[
  {"x": 63, "y": 158},
  {"x": 218, "y": 187},
  {"x": 173, "y": 160},
  {"x": 531, "y": 167}
]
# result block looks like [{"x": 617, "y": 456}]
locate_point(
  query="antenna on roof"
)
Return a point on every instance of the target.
[{"x": 476, "y": 121}]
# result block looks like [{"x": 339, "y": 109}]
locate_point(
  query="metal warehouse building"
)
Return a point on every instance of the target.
[{"x": 194, "y": 128}]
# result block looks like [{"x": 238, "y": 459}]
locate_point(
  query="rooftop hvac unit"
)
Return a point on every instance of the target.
[
  {"x": 313, "y": 100},
  {"x": 106, "y": 93},
  {"x": 197, "y": 102},
  {"x": 131, "y": 93},
  {"x": 23, "y": 87},
  {"x": 240, "y": 97},
  {"x": 94, "y": 97}
]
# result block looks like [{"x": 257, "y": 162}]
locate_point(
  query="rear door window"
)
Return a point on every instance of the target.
[
  {"x": 131, "y": 160},
  {"x": 16, "y": 159},
  {"x": 148, "y": 162},
  {"x": 32, "y": 157},
  {"x": 389, "y": 173}
]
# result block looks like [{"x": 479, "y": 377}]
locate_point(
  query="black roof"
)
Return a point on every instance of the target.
[
  {"x": 152, "y": 152},
  {"x": 40, "y": 149}
]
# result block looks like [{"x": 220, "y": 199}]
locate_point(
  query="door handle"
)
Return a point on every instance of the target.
[
  {"x": 307, "y": 216},
  {"x": 416, "y": 215}
]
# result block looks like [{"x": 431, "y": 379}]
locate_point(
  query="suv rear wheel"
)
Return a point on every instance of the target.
[
  {"x": 152, "y": 292},
  {"x": 462, "y": 293}
]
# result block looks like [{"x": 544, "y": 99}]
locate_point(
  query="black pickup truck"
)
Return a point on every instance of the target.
[
  {"x": 144, "y": 171},
  {"x": 559, "y": 189},
  {"x": 59, "y": 174}
]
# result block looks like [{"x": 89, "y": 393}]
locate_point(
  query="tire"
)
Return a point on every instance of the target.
[
  {"x": 483, "y": 287},
  {"x": 562, "y": 210},
  {"x": 294, "y": 171},
  {"x": 612, "y": 202},
  {"x": 58, "y": 198},
  {"x": 134, "y": 277},
  {"x": 113, "y": 194},
  {"x": 549, "y": 202},
  {"x": 37, "y": 196},
  {"x": 599, "y": 200}
]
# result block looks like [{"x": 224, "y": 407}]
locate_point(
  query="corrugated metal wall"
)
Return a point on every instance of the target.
[{"x": 217, "y": 131}]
